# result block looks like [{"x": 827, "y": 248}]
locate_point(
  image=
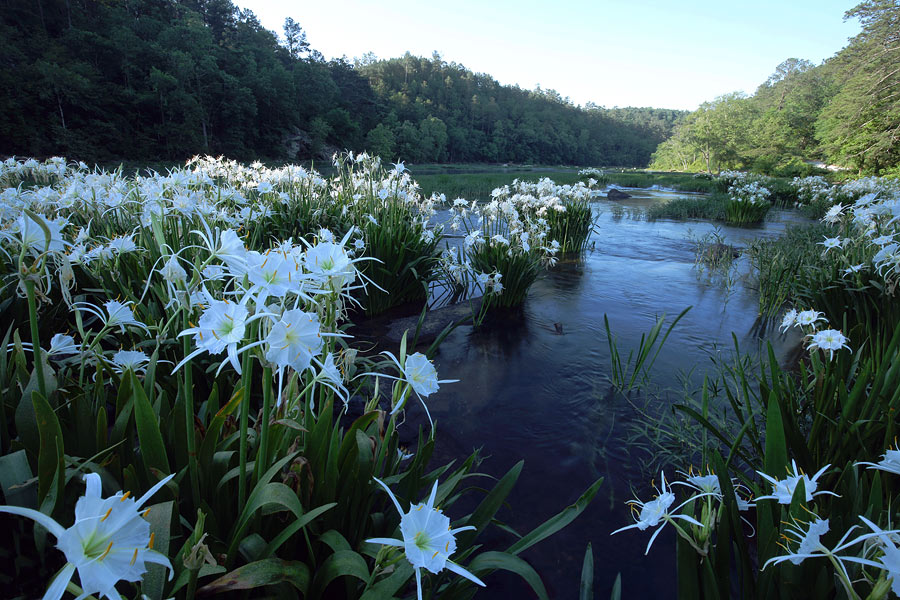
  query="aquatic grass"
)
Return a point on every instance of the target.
[
  {"x": 741, "y": 212},
  {"x": 716, "y": 260},
  {"x": 710, "y": 208},
  {"x": 685, "y": 182},
  {"x": 779, "y": 264},
  {"x": 634, "y": 371},
  {"x": 405, "y": 258},
  {"x": 573, "y": 226},
  {"x": 519, "y": 270},
  {"x": 478, "y": 186}
]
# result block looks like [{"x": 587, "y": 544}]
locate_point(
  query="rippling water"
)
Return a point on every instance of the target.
[{"x": 529, "y": 392}]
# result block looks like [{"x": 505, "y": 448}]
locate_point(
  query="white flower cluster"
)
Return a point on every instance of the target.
[
  {"x": 13, "y": 171},
  {"x": 871, "y": 223},
  {"x": 828, "y": 340},
  {"x": 811, "y": 189},
  {"x": 877, "y": 549},
  {"x": 751, "y": 192}
]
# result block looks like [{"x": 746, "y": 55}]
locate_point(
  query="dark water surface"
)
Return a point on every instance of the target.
[{"x": 528, "y": 392}]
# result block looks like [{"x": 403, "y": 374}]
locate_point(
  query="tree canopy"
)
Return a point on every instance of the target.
[
  {"x": 167, "y": 79},
  {"x": 845, "y": 111}
]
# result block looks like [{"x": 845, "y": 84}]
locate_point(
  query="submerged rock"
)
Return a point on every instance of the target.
[
  {"x": 718, "y": 251},
  {"x": 615, "y": 194}
]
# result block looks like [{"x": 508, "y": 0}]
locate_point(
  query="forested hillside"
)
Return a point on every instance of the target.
[
  {"x": 165, "y": 79},
  {"x": 845, "y": 111}
]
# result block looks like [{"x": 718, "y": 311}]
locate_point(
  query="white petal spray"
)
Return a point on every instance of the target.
[
  {"x": 650, "y": 514},
  {"x": 109, "y": 542},
  {"x": 783, "y": 489},
  {"x": 428, "y": 540}
]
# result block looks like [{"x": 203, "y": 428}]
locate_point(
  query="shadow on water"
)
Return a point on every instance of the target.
[{"x": 534, "y": 385}]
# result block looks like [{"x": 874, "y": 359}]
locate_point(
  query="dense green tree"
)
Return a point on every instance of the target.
[
  {"x": 846, "y": 110},
  {"x": 167, "y": 79},
  {"x": 861, "y": 124}
]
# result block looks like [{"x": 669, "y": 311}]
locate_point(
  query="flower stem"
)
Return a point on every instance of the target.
[
  {"x": 262, "y": 458},
  {"x": 246, "y": 379},
  {"x": 848, "y": 587},
  {"x": 35, "y": 339},
  {"x": 189, "y": 422}
]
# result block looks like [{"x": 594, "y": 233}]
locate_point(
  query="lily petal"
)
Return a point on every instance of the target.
[
  {"x": 452, "y": 566},
  {"x": 46, "y": 522},
  {"x": 58, "y": 587}
]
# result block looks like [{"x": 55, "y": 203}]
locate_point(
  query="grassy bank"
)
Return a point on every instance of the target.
[{"x": 470, "y": 185}]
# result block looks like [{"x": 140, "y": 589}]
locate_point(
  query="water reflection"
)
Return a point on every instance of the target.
[{"x": 534, "y": 386}]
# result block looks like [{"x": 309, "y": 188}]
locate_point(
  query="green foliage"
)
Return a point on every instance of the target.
[
  {"x": 635, "y": 370},
  {"x": 710, "y": 207},
  {"x": 739, "y": 212},
  {"x": 474, "y": 183},
  {"x": 518, "y": 268},
  {"x": 168, "y": 80},
  {"x": 845, "y": 111},
  {"x": 685, "y": 182},
  {"x": 572, "y": 227}
]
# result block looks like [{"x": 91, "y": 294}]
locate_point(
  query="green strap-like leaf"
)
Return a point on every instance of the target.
[
  {"x": 269, "y": 571},
  {"x": 490, "y": 561},
  {"x": 50, "y": 458},
  {"x": 586, "y": 590},
  {"x": 153, "y": 449},
  {"x": 341, "y": 563},
  {"x": 558, "y": 521}
]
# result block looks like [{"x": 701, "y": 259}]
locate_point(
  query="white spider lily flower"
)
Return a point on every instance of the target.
[
  {"x": 809, "y": 545},
  {"x": 60, "y": 346},
  {"x": 330, "y": 262},
  {"x": 330, "y": 376},
  {"x": 654, "y": 512},
  {"x": 828, "y": 339},
  {"x": 890, "y": 559},
  {"x": 63, "y": 345},
  {"x": 830, "y": 243},
  {"x": 833, "y": 215},
  {"x": 890, "y": 462},
  {"x": 706, "y": 484},
  {"x": 130, "y": 360},
  {"x": 789, "y": 320},
  {"x": 273, "y": 274},
  {"x": 419, "y": 373},
  {"x": 118, "y": 314},
  {"x": 226, "y": 246},
  {"x": 294, "y": 340},
  {"x": 122, "y": 244},
  {"x": 428, "y": 539},
  {"x": 783, "y": 489},
  {"x": 32, "y": 237},
  {"x": 173, "y": 272},
  {"x": 109, "y": 542},
  {"x": 221, "y": 328},
  {"x": 809, "y": 318}
]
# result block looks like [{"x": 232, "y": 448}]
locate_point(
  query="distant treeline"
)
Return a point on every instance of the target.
[
  {"x": 845, "y": 111},
  {"x": 164, "y": 80}
]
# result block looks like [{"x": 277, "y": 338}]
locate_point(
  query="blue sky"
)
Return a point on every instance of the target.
[{"x": 639, "y": 53}]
